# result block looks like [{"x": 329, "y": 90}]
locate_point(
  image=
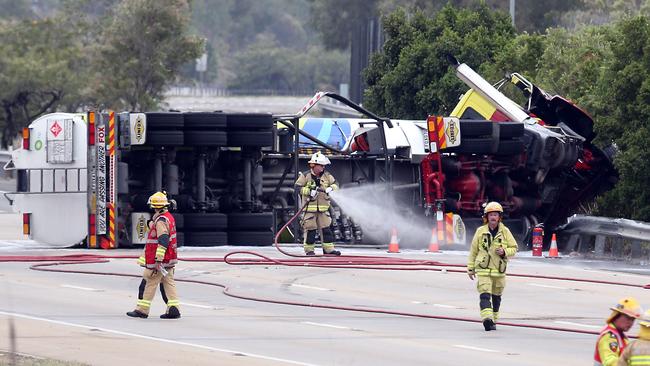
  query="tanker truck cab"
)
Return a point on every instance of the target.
[{"x": 52, "y": 178}]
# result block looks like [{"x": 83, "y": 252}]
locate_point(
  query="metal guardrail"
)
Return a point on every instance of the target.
[
  {"x": 593, "y": 225},
  {"x": 621, "y": 234}
]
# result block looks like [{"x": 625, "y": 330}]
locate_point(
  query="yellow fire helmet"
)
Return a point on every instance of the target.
[
  {"x": 493, "y": 207},
  {"x": 158, "y": 200},
  {"x": 628, "y": 306}
]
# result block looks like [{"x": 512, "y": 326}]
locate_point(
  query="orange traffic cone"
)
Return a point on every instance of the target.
[
  {"x": 433, "y": 243},
  {"x": 393, "y": 246},
  {"x": 552, "y": 251}
]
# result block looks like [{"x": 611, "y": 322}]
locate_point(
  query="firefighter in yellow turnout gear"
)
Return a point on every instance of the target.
[
  {"x": 612, "y": 340},
  {"x": 638, "y": 352},
  {"x": 314, "y": 187},
  {"x": 492, "y": 245},
  {"x": 159, "y": 260}
]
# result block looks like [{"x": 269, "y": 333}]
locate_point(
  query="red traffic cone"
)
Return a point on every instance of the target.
[
  {"x": 393, "y": 246},
  {"x": 552, "y": 251},
  {"x": 433, "y": 243}
]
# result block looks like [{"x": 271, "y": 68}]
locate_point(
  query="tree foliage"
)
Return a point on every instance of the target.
[
  {"x": 42, "y": 67},
  {"x": 143, "y": 48},
  {"x": 412, "y": 78}
]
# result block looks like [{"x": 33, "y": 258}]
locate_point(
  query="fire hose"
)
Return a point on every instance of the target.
[{"x": 351, "y": 262}]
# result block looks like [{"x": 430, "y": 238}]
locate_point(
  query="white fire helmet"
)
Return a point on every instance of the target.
[{"x": 319, "y": 159}]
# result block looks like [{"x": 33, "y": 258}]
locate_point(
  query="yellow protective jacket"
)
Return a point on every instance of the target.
[
  {"x": 638, "y": 351},
  {"x": 611, "y": 342},
  {"x": 483, "y": 259},
  {"x": 307, "y": 181}
]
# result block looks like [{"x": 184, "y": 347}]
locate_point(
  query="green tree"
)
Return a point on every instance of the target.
[
  {"x": 42, "y": 67},
  {"x": 412, "y": 78},
  {"x": 624, "y": 89},
  {"x": 143, "y": 49},
  {"x": 335, "y": 20}
]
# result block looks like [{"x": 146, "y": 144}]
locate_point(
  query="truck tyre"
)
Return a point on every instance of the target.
[
  {"x": 250, "y": 221},
  {"x": 157, "y": 121},
  {"x": 205, "y": 120},
  {"x": 248, "y": 121},
  {"x": 205, "y": 221},
  {"x": 250, "y": 138},
  {"x": 205, "y": 239},
  {"x": 250, "y": 238},
  {"x": 205, "y": 138},
  {"x": 510, "y": 147},
  {"x": 473, "y": 146},
  {"x": 180, "y": 220},
  {"x": 167, "y": 138},
  {"x": 510, "y": 130},
  {"x": 475, "y": 128}
]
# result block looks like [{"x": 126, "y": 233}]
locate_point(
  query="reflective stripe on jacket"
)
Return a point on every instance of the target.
[
  {"x": 152, "y": 247},
  {"x": 307, "y": 182},
  {"x": 483, "y": 259},
  {"x": 611, "y": 342}
]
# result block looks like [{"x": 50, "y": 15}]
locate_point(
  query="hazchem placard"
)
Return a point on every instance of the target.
[{"x": 59, "y": 141}]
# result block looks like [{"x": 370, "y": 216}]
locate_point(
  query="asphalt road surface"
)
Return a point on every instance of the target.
[{"x": 81, "y": 317}]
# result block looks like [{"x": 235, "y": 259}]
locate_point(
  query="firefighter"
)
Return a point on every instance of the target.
[
  {"x": 638, "y": 351},
  {"x": 612, "y": 339},
  {"x": 159, "y": 260},
  {"x": 314, "y": 187},
  {"x": 492, "y": 245}
]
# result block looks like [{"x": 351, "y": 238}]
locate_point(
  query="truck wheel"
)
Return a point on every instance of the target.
[
  {"x": 180, "y": 220},
  {"x": 250, "y": 238},
  {"x": 168, "y": 138},
  {"x": 474, "y": 128},
  {"x": 245, "y": 121},
  {"x": 510, "y": 147},
  {"x": 205, "y": 120},
  {"x": 509, "y": 130},
  {"x": 250, "y": 221},
  {"x": 164, "y": 121},
  {"x": 205, "y": 138},
  {"x": 209, "y": 239},
  {"x": 205, "y": 221},
  {"x": 472, "y": 146},
  {"x": 250, "y": 138}
]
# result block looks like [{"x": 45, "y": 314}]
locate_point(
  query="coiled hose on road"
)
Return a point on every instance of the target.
[{"x": 353, "y": 262}]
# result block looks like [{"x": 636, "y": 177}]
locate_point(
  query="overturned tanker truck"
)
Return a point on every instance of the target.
[{"x": 84, "y": 178}]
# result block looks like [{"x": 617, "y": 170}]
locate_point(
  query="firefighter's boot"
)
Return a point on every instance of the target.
[
  {"x": 332, "y": 252},
  {"x": 310, "y": 253},
  {"x": 489, "y": 325},
  {"x": 137, "y": 314},
  {"x": 172, "y": 313}
]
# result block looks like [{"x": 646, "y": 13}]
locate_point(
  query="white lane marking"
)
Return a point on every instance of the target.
[
  {"x": 135, "y": 335},
  {"x": 547, "y": 286},
  {"x": 417, "y": 302},
  {"x": 81, "y": 288},
  {"x": 475, "y": 348},
  {"x": 577, "y": 324},
  {"x": 326, "y": 325},
  {"x": 612, "y": 272},
  {"x": 446, "y": 306},
  {"x": 310, "y": 287}
]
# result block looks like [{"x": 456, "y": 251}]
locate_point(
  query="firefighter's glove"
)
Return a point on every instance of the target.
[
  {"x": 313, "y": 193},
  {"x": 471, "y": 274},
  {"x": 329, "y": 190},
  {"x": 500, "y": 252}
]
